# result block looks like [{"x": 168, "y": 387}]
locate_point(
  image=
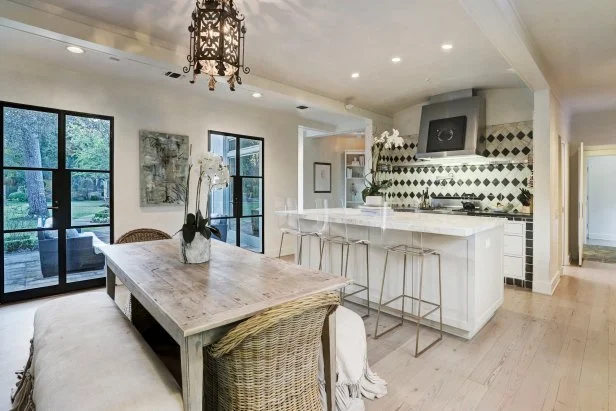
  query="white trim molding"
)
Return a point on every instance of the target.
[{"x": 545, "y": 287}]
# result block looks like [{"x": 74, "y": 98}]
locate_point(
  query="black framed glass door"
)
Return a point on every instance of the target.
[
  {"x": 57, "y": 203},
  {"x": 237, "y": 211}
]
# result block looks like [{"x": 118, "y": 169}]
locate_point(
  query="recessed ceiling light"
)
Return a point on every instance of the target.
[
  {"x": 511, "y": 70},
  {"x": 446, "y": 46},
  {"x": 355, "y": 75},
  {"x": 257, "y": 95},
  {"x": 75, "y": 49},
  {"x": 396, "y": 59}
]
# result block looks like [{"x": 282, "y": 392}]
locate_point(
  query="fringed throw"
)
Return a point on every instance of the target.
[
  {"x": 354, "y": 378},
  {"x": 21, "y": 397}
]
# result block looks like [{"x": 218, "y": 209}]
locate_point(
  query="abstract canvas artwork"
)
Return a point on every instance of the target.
[{"x": 163, "y": 159}]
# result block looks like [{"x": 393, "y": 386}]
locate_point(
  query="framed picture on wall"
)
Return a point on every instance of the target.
[{"x": 322, "y": 177}]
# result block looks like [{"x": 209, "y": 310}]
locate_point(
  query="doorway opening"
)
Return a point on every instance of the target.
[{"x": 600, "y": 241}]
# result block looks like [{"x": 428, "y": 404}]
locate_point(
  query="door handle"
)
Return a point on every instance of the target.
[{"x": 53, "y": 208}]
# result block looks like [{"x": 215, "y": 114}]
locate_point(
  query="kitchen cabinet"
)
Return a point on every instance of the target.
[{"x": 514, "y": 250}]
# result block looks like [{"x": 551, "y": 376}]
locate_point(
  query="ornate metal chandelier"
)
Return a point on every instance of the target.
[{"x": 217, "y": 35}]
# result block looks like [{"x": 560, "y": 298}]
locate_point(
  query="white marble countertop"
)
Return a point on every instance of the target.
[{"x": 453, "y": 225}]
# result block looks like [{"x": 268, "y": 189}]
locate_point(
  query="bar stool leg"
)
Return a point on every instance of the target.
[
  {"x": 378, "y": 312},
  {"x": 299, "y": 254},
  {"x": 368, "y": 277},
  {"x": 403, "y": 290},
  {"x": 321, "y": 249},
  {"x": 421, "y": 273},
  {"x": 440, "y": 295},
  {"x": 281, "y": 241}
]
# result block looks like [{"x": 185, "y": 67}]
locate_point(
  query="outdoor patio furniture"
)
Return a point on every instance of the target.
[{"x": 80, "y": 252}]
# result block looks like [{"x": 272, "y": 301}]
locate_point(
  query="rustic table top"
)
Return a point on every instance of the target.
[{"x": 193, "y": 298}]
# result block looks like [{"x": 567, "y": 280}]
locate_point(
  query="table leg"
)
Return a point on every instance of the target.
[
  {"x": 191, "y": 351},
  {"x": 328, "y": 339},
  {"x": 111, "y": 280}
]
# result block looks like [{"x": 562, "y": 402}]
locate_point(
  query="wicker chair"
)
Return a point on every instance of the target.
[
  {"x": 133, "y": 307},
  {"x": 143, "y": 234},
  {"x": 270, "y": 361}
]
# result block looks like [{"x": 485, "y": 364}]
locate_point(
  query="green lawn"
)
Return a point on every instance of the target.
[{"x": 16, "y": 214}]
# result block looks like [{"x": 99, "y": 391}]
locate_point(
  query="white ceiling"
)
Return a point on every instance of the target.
[
  {"x": 315, "y": 45},
  {"x": 54, "y": 52},
  {"x": 578, "y": 40}
]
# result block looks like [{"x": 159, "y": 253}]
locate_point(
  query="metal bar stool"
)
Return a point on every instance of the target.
[
  {"x": 421, "y": 253},
  {"x": 289, "y": 223},
  {"x": 344, "y": 240}
]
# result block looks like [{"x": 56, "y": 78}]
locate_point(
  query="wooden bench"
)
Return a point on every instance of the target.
[{"x": 87, "y": 356}]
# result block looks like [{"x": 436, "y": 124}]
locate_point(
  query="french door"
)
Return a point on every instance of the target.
[
  {"x": 237, "y": 210},
  {"x": 57, "y": 202}
]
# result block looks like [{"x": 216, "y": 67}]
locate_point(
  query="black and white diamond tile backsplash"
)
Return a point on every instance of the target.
[{"x": 491, "y": 183}]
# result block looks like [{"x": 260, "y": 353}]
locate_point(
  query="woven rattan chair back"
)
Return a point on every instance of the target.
[
  {"x": 143, "y": 234},
  {"x": 270, "y": 361}
]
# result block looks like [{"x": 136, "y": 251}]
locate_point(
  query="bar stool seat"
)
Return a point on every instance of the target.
[{"x": 421, "y": 253}]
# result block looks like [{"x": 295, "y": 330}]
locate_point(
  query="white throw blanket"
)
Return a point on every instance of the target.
[{"x": 355, "y": 379}]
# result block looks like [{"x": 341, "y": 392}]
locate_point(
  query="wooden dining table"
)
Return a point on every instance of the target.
[{"x": 198, "y": 303}]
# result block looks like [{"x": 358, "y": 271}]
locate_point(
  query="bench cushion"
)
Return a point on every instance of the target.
[{"x": 87, "y": 356}]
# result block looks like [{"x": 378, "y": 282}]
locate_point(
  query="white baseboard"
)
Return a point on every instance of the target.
[
  {"x": 599, "y": 236},
  {"x": 547, "y": 287}
]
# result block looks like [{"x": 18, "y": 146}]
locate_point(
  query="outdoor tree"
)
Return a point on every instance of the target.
[{"x": 31, "y": 141}]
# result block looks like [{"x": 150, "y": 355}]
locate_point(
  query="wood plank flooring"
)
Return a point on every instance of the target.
[{"x": 537, "y": 353}]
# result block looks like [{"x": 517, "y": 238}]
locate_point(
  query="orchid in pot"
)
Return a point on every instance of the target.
[
  {"x": 197, "y": 229},
  {"x": 375, "y": 183}
]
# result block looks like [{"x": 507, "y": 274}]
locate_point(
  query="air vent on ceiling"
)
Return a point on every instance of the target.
[
  {"x": 302, "y": 107},
  {"x": 171, "y": 74},
  {"x": 114, "y": 58}
]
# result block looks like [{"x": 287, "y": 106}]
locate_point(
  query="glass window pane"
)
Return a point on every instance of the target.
[
  {"x": 84, "y": 261},
  {"x": 251, "y": 237},
  {"x": 87, "y": 143},
  {"x": 225, "y": 147},
  {"x": 30, "y": 138},
  {"x": 227, "y": 228},
  {"x": 89, "y": 198},
  {"x": 27, "y": 194},
  {"x": 221, "y": 202},
  {"x": 250, "y": 157},
  {"x": 252, "y": 190},
  {"x": 30, "y": 260}
]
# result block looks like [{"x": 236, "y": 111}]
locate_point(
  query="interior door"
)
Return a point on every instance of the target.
[
  {"x": 237, "y": 211},
  {"x": 581, "y": 204},
  {"x": 56, "y": 200}
]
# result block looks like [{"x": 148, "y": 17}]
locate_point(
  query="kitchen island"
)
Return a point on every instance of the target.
[{"x": 471, "y": 249}]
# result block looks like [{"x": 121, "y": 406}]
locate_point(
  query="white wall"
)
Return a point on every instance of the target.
[
  {"x": 550, "y": 124},
  {"x": 161, "y": 107},
  {"x": 601, "y": 198},
  {"x": 594, "y": 128},
  {"x": 327, "y": 150},
  {"x": 507, "y": 105}
]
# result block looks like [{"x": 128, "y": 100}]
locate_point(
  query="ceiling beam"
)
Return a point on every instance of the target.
[
  {"x": 501, "y": 24},
  {"x": 49, "y": 21}
]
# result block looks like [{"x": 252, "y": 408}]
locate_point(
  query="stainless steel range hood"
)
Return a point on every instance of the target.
[{"x": 452, "y": 125}]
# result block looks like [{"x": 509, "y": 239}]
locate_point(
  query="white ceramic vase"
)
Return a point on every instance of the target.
[
  {"x": 374, "y": 201},
  {"x": 198, "y": 251}
]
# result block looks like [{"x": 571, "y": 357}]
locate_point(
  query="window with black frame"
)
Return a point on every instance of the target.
[
  {"x": 237, "y": 211},
  {"x": 57, "y": 202}
]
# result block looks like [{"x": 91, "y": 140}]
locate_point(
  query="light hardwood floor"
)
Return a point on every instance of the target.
[{"x": 537, "y": 353}]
